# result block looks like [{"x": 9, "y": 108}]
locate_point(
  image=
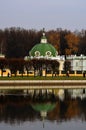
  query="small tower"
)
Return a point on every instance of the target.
[{"x": 43, "y": 39}]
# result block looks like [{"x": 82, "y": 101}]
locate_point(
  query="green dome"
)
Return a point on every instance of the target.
[
  {"x": 44, "y": 107},
  {"x": 43, "y": 49}
]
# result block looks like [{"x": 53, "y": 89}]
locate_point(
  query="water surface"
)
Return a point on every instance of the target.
[{"x": 56, "y": 110}]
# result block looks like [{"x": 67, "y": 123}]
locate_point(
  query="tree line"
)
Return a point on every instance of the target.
[
  {"x": 21, "y": 65},
  {"x": 17, "y": 42}
]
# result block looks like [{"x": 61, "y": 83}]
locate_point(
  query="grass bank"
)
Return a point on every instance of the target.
[{"x": 43, "y": 78}]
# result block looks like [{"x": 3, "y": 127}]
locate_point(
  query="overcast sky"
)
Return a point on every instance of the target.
[{"x": 50, "y": 14}]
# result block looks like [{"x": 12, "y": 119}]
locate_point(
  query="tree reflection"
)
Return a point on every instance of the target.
[{"x": 18, "y": 109}]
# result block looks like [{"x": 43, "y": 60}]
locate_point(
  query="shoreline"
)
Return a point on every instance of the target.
[{"x": 41, "y": 84}]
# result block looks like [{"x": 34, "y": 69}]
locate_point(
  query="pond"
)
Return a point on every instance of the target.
[{"x": 57, "y": 109}]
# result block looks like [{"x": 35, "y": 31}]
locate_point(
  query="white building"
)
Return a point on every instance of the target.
[{"x": 78, "y": 63}]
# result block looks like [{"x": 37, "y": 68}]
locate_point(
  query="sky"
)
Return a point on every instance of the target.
[{"x": 48, "y": 14}]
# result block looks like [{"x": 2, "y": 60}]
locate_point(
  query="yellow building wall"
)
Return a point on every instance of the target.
[{"x": 5, "y": 72}]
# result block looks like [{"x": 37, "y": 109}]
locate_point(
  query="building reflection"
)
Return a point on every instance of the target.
[
  {"x": 60, "y": 105},
  {"x": 43, "y": 108}
]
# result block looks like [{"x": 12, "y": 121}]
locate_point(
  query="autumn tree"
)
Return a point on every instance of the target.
[
  {"x": 54, "y": 39},
  {"x": 72, "y": 41},
  {"x": 82, "y": 44},
  {"x": 63, "y": 42},
  {"x": 17, "y": 42}
]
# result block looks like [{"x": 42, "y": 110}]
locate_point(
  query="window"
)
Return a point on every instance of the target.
[
  {"x": 37, "y": 53},
  {"x": 77, "y": 64},
  {"x": 48, "y": 53}
]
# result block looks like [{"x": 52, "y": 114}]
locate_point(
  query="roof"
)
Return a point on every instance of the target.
[{"x": 43, "y": 49}]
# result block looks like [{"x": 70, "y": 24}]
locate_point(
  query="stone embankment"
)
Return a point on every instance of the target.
[{"x": 41, "y": 84}]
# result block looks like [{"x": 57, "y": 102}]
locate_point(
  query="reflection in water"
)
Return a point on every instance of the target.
[
  {"x": 80, "y": 93},
  {"x": 43, "y": 108},
  {"x": 55, "y": 105}
]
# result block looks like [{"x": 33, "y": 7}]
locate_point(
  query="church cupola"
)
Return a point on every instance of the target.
[{"x": 43, "y": 39}]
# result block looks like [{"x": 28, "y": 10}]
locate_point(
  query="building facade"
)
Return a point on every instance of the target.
[
  {"x": 78, "y": 63},
  {"x": 45, "y": 50}
]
